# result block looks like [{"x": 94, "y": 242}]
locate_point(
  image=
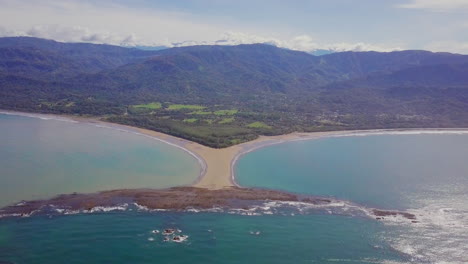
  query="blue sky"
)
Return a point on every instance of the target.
[{"x": 382, "y": 25}]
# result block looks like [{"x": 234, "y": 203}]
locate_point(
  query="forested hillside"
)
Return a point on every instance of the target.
[{"x": 224, "y": 95}]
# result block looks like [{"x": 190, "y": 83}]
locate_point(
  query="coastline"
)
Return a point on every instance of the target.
[
  {"x": 217, "y": 166},
  {"x": 253, "y": 201}
]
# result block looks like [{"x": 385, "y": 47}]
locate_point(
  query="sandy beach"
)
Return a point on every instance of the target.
[{"x": 217, "y": 165}]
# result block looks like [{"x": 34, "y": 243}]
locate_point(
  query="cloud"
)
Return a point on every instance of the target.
[
  {"x": 72, "y": 34},
  {"x": 79, "y": 34},
  {"x": 301, "y": 43},
  {"x": 103, "y": 21},
  {"x": 437, "y": 5},
  {"x": 106, "y": 22},
  {"x": 85, "y": 34}
]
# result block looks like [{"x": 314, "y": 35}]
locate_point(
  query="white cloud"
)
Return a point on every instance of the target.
[
  {"x": 301, "y": 43},
  {"x": 78, "y": 34},
  {"x": 437, "y": 5},
  {"x": 83, "y": 34},
  {"x": 110, "y": 23},
  {"x": 72, "y": 20}
]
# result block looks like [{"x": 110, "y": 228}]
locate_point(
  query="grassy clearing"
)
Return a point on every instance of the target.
[
  {"x": 184, "y": 107},
  {"x": 201, "y": 113},
  {"x": 215, "y": 135},
  {"x": 258, "y": 125},
  {"x": 226, "y": 120},
  {"x": 235, "y": 141},
  {"x": 154, "y": 105},
  {"x": 190, "y": 120},
  {"x": 226, "y": 112}
]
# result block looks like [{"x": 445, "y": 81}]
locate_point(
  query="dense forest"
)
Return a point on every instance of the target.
[{"x": 224, "y": 95}]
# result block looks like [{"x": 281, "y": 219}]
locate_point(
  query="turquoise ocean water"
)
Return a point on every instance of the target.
[
  {"x": 422, "y": 174},
  {"x": 41, "y": 158}
]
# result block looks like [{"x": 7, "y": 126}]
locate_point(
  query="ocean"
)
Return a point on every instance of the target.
[
  {"x": 422, "y": 174},
  {"x": 40, "y": 158}
]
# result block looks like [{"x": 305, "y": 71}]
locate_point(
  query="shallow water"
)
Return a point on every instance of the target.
[{"x": 41, "y": 158}]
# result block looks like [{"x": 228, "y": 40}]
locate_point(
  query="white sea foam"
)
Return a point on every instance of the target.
[
  {"x": 141, "y": 207},
  {"x": 9, "y": 215},
  {"x": 401, "y": 132},
  {"x": 365, "y": 260},
  {"x": 40, "y": 116},
  {"x": 99, "y": 209},
  {"x": 441, "y": 234}
]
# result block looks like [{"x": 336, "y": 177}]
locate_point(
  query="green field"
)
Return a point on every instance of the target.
[
  {"x": 185, "y": 107},
  {"x": 190, "y": 120},
  {"x": 258, "y": 125},
  {"x": 214, "y": 135},
  {"x": 154, "y": 105},
  {"x": 226, "y": 120},
  {"x": 201, "y": 113}
]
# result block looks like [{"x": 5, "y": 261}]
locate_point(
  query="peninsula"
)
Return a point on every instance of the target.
[{"x": 215, "y": 187}]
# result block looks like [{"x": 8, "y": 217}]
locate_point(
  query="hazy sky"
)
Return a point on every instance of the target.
[{"x": 383, "y": 25}]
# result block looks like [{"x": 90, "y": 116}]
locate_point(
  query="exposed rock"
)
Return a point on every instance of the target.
[
  {"x": 177, "y": 198},
  {"x": 383, "y": 213}
]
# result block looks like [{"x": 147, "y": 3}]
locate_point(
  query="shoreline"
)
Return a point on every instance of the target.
[
  {"x": 253, "y": 201},
  {"x": 303, "y": 136},
  {"x": 217, "y": 166}
]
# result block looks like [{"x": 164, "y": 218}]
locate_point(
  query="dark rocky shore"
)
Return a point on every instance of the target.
[{"x": 177, "y": 198}]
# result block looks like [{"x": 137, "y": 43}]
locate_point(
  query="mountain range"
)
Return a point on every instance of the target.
[{"x": 281, "y": 89}]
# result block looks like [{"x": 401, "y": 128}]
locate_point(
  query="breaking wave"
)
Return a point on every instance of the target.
[
  {"x": 335, "y": 207},
  {"x": 439, "y": 236}
]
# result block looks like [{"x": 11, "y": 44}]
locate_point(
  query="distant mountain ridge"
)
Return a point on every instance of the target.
[
  {"x": 288, "y": 90},
  {"x": 31, "y": 56}
]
